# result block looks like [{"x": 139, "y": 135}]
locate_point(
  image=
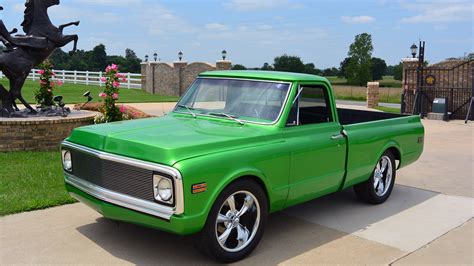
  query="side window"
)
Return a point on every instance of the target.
[{"x": 311, "y": 107}]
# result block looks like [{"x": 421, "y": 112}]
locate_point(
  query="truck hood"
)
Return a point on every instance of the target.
[{"x": 170, "y": 139}]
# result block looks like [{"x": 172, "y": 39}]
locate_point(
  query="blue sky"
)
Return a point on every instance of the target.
[{"x": 255, "y": 31}]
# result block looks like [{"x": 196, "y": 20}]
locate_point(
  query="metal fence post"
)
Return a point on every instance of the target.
[
  {"x": 34, "y": 74},
  {"x": 87, "y": 77},
  {"x": 75, "y": 76},
  {"x": 64, "y": 75}
]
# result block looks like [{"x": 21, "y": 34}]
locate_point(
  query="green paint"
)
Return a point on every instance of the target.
[{"x": 294, "y": 164}]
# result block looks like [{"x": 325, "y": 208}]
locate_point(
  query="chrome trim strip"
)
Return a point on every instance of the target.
[
  {"x": 247, "y": 79},
  {"x": 120, "y": 199},
  {"x": 178, "y": 181}
]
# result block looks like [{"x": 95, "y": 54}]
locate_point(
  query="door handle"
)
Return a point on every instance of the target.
[{"x": 336, "y": 137}]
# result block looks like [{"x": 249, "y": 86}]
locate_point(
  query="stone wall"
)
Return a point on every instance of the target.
[
  {"x": 173, "y": 79},
  {"x": 372, "y": 94},
  {"x": 41, "y": 134}
]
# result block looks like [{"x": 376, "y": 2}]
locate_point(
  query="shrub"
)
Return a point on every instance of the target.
[
  {"x": 110, "y": 112},
  {"x": 44, "y": 96}
]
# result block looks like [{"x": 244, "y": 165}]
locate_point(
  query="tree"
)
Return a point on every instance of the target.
[
  {"x": 379, "y": 68},
  {"x": 360, "y": 52},
  {"x": 267, "y": 66},
  {"x": 59, "y": 59},
  {"x": 238, "y": 67},
  {"x": 330, "y": 72},
  {"x": 389, "y": 71},
  {"x": 288, "y": 63},
  {"x": 398, "y": 72},
  {"x": 343, "y": 67},
  {"x": 130, "y": 54},
  {"x": 131, "y": 62},
  {"x": 310, "y": 68},
  {"x": 98, "y": 59}
]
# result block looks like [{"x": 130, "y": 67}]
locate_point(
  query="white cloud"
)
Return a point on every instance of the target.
[
  {"x": 216, "y": 26},
  {"x": 438, "y": 11},
  {"x": 264, "y": 27},
  {"x": 160, "y": 20},
  {"x": 259, "y": 4},
  {"x": 72, "y": 14},
  {"x": 358, "y": 19}
]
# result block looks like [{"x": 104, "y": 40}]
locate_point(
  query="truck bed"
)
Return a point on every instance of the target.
[{"x": 351, "y": 116}]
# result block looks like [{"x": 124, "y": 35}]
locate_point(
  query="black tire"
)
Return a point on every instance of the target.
[
  {"x": 207, "y": 242},
  {"x": 366, "y": 191}
]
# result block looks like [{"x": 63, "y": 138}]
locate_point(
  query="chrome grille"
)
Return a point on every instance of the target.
[{"x": 118, "y": 177}]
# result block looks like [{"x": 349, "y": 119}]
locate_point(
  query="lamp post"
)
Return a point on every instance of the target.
[
  {"x": 224, "y": 54},
  {"x": 155, "y": 56},
  {"x": 413, "y": 49},
  {"x": 146, "y": 58},
  {"x": 180, "y": 55}
]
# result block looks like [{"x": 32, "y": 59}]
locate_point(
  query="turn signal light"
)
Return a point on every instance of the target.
[{"x": 198, "y": 188}]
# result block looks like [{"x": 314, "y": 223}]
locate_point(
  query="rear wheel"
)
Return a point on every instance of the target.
[
  {"x": 378, "y": 188},
  {"x": 235, "y": 224}
]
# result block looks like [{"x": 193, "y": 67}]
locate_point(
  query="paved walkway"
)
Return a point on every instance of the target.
[{"x": 428, "y": 219}]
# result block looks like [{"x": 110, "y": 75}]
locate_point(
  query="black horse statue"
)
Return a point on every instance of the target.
[{"x": 24, "y": 52}]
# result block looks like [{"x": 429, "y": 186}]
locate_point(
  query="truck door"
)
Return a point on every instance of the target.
[{"x": 317, "y": 147}]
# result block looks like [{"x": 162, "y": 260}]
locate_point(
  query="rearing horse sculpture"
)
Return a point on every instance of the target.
[{"x": 24, "y": 52}]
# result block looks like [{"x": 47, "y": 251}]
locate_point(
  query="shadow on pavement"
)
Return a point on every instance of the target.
[
  {"x": 343, "y": 212},
  {"x": 288, "y": 234}
]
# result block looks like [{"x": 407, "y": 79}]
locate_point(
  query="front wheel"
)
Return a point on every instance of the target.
[
  {"x": 235, "y": 224},
  {"x": 378, "y": 188}
]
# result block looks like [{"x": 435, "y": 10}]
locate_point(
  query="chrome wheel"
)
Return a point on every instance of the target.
[
  {"x": 237, "y": 221},
  {"x": 383, "y": 176}
]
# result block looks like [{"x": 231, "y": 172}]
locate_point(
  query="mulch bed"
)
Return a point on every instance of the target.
[{"x": 132, "y": 112}]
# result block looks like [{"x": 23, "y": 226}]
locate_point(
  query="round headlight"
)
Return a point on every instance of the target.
[
  {"x": 165, "y": 189},
  {"x": 67, "y": 161}
]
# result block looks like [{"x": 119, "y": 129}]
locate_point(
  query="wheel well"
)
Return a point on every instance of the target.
[
  {"x": 396, "y": 154},
  {"x": 259, "y": 182}
]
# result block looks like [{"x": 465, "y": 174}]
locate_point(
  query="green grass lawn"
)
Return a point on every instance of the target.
[
  {"x": 388, "y": 109},
  {"x": 387, "y": 81},
  {"x": 72, "y": 93},
  {"x": 30, "y": 181}
]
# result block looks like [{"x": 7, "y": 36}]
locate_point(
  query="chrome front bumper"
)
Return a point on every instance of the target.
[{"x": 133, "y": 203}]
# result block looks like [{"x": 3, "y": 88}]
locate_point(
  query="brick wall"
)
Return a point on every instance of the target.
[{"x": 39, "y": 135}]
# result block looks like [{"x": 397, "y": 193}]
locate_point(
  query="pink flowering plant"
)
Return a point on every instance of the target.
[
  {"x": 44, "y": 96},
  {"x": 110, "y": 95}
]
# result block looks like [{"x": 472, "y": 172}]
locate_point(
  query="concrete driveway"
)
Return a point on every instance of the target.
[{"x": 428, "y": 219}]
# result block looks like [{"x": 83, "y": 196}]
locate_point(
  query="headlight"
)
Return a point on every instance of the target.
[
  {"x": 67, "y": 161},
  {"x": 163, "y": 189}
]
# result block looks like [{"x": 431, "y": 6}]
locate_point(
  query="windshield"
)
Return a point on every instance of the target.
[{"x": 241, "y": 100}]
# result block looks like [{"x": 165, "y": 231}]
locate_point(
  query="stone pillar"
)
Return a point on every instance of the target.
[
  {"x": 372, "y": 94},
  {"x": 223, "y": 65},
  {"x": 144, "y": 73},
  {"x": 179, "y": 66}
]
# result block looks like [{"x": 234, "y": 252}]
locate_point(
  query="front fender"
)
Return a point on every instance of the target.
[{"x": 268, "y": 163}]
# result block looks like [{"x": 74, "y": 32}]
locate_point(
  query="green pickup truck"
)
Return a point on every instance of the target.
[{"x": 238, "y": 146}]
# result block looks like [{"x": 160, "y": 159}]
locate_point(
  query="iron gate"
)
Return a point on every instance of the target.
[{"x": 453, "y": 83}]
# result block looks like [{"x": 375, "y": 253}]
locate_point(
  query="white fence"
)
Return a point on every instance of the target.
[{"x": 134, "y": 81}]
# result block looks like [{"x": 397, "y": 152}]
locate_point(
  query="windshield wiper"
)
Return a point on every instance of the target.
[
  {"x": 189, "y": 108},
  {"x": 222, "y": 114}
]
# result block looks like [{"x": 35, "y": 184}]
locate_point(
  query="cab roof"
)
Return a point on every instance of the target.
[{"x": 263, "y": 75}]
